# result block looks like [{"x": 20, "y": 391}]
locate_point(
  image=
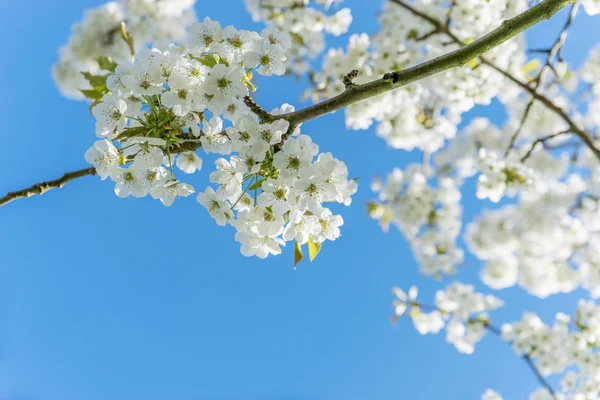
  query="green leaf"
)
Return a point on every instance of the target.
[
  {"x": 208, "y": 60},
  {"x": 313, "y": 249},
  {"x": 106, "y": 63},
  {"x": 298, "y": 256},
  {"x": 97, "y": 81},
  {"x": 258, "y": 184},
  {"x": 93, "y": 94}
]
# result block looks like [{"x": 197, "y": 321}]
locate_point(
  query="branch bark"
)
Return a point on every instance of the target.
[
  {"x": 41, "y": 188},
  {"x": 507, "y": 30},
  {"x": 390, "y": 81}
]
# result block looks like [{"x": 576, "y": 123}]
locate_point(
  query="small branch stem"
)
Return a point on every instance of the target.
[
  {"x": 498, "y": 332},
  {"x": 43, "y": 187},
  {"x": 264, "y": 116}
]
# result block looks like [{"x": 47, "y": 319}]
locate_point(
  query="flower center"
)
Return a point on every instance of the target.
[
  {"x": 266, "y": 135},
  {"x": 223, "y": 83},
  {"x": 214, "y": 206},
  {"x": 294, "y": 163},
  {"x": 268, "y": 216},
  {"x": 279, "y": 194},
  {"x": 324, "y": 224},
  {"x": 235, "y": 42},
  {"x": 151, "y": 176},
  {"x": 115, "y": 115},
  {"x": 265, "y": 59},
  {"x": 312, "y": 189},
  {"x": 128, "y": 177},
  {"x": 244, "y": 136}
]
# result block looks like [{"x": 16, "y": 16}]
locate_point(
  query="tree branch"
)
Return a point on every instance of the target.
[
  {"x": 509, "y": 29},
  {"x": 498, "y": 332},
  {"x": 585, "y": 136},
  {"x": 41, "y": 188},
  {"x": 390, "y": 81},
  {"x": 551, "y": 52}
]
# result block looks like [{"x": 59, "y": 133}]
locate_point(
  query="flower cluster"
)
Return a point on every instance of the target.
[
  {"x": 305, "y": 22},
  {"x": 98, "y": 35},
  {"x": 293, "y": 186},
  {"x": 429, "y": 217},
  {"x": 156, "y": 104},
  {"x": 546, "y": 238},
  {"x": 150, "y": 121},
  {"x": 431, "y": 109},
  {"x": 516, "y": 240},
  {"x": 500, "y": 176},
  {"x": 461, "y": 310},
  {"x": 569, "y": 347}
]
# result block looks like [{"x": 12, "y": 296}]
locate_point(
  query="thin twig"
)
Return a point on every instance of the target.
[
  {"x": 498, "y": 332},
  {"x": 43, "y": 187},
  {"x": 551, "y": 55},
  {"x": 541, "y": 140},
  {"x": 513, "y": 139}
]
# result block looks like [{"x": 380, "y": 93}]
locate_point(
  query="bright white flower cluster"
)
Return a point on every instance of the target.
[
  {"x": 568, "y": 347},
  {"x": 517, "y": 240},
  {"x": 154, "y": 111},
  {"x": 432, "y": 108},
  {"x": 547, "y": 242},
  {"x": 500, "y": 176},
  {"x": 430, "y": 217},
  {"x": 306, "y": 22},
  {"x": 98, "y": 35},
  {"x": 461, "y": 310}
]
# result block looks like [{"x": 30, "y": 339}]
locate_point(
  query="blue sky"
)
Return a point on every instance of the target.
[{"x": 104, "y": 298}]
